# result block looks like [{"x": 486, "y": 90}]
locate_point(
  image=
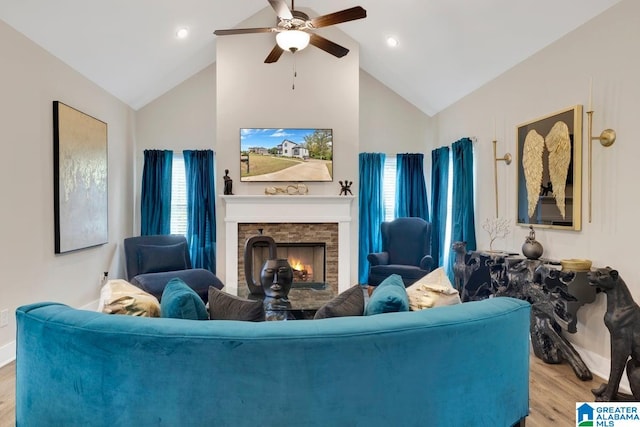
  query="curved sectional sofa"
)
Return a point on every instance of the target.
[{"x": 461, "y": 365}]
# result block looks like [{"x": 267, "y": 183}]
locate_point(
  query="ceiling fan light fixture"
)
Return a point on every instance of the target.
[{"x": 292, "y": 40}]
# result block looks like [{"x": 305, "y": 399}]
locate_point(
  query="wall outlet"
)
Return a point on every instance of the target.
[{"x": 4, "y": 318}]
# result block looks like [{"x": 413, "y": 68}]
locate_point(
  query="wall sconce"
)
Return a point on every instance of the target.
[
  {"x": 507, "y": 159},
  {"x": 607, "y": 138}
]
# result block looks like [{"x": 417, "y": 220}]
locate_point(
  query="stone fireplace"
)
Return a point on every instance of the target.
[
  {"x": 312, "y": 248},
  {"x": 301, "y": 220}
]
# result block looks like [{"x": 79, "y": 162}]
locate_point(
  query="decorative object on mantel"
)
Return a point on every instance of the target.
[
  {"x": 498, "y": 228},
  {"x": 345, "y": 187},
  {"x": 606, "y": 138},
  {"x": 291, "y": 189},
  {"x": 228, "y": 183},
  {"x": 252, "y": 242},
  {"x": 531, "y": 248},
  {"x": 549, "y": 151},
  {"x": 506, "y": 159},
  {"x": 623, "y": 321}
]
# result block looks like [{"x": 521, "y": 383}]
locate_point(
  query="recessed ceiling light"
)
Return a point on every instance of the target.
[
  {"x": 182, "y": 33},
  {"x": 392, "y": 41}
]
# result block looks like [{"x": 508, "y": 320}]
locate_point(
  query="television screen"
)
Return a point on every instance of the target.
[{"x": 302, "y": 155}]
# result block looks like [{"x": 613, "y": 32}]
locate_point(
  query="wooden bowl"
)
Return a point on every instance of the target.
[{"x": 576, "y": 264}]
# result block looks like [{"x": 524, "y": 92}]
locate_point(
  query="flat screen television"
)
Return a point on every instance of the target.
[{"x": 289, "y": 154}]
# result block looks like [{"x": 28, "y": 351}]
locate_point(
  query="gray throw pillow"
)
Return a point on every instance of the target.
[
  {"x": 224, "y": 306},
  {"x": 348, "y": 303}
]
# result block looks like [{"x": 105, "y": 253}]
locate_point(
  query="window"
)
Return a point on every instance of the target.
[
  {"x": 389, "y": 187},
  {"x": 178, "y": 196}
]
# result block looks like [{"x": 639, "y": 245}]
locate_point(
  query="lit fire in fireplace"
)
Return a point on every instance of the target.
[{"x": 301, "y": 272}]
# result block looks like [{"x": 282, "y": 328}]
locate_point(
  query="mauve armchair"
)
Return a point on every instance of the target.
[
  {"x": 151, "y": 261},
  {"x": 406, "y": 251}
]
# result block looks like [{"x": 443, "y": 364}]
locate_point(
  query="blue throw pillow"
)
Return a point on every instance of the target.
[
  {"x": 179, "y": 301},
  {"x": 155, "y": 258},
  {"x": 389, "y": 296}
]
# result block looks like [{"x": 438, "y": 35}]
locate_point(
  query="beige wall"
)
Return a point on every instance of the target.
[
  {"x": 30, "y": 79},
  {"x": 208, "y": 110},
  {"x": 606, "y": 50}
]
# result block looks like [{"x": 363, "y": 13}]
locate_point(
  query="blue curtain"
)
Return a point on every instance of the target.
[
  {"x": 411, "y": 190},
  {"x": 462, "y": 204},
  {"x": 201, "y": 207},
  {"x": 439, "y": 194},
  {"x": 155, "y": 205},
  {"x": 371, "y": 209}
]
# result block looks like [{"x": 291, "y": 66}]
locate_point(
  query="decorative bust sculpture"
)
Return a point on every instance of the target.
[{"x": 276, "y": 278}]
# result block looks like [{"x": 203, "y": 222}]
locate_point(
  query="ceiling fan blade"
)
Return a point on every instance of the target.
[
  {"x": 281, "y": 8},
  {"x": 243, "y": 31},
  {"x": 274, "y": 55},
  {"x": 339, "y": 17},
  {"x": 328, "y": 46}
]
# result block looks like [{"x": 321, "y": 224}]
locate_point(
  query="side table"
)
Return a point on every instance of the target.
[{"x": 555, "y": 296}]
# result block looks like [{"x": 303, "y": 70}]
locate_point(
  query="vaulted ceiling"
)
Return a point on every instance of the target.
[{"x": 447, "y": 48}]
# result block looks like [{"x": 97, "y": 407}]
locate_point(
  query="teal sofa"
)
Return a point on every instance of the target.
[{"x": 462, "y": 365}]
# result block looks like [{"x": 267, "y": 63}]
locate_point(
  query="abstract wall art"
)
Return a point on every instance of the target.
[{"x": 80, "y": 179}]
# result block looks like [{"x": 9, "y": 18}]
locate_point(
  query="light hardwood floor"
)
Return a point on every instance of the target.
[{"x": 553, "y": 392}]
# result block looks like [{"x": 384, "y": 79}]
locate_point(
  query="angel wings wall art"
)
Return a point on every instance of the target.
[{"x": 549, "y": 170}]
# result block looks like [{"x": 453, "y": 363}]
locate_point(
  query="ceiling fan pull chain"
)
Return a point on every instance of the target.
[{"x": 295, "y": 74}]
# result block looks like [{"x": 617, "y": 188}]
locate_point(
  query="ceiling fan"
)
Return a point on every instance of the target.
[{"x": 295, "y": 30}]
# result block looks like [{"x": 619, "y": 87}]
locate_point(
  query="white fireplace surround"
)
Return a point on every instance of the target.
[{"x": 242, "y": 209}]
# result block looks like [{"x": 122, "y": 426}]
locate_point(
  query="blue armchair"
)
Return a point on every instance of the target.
[
  {"x": 406, "y": 245},
  {"x": 151, "y": 261}
]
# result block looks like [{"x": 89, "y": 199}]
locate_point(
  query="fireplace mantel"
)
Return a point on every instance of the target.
[{"x": 287, "y": 209}]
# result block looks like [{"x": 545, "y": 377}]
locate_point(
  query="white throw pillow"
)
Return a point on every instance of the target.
[{"x": 432, "y": 290}]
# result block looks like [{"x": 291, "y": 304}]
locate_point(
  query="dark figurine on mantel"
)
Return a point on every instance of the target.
[
  {"x": 228, "y": 183},
  {"x": 623, "y": 321},
  {"x": 346, "y": 187}
]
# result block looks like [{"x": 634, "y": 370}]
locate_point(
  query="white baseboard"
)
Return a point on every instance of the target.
[
  {"x": 600, "y": 366},
  {"x": 8, "y": 351}
]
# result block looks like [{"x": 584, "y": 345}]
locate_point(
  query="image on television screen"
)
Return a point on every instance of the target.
[{"x": 286, "y": 154}]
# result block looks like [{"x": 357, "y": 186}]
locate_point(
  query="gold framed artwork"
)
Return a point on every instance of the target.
[
  {"x": 549, "y": 160},
  {"x": 80, "y": 179}
]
